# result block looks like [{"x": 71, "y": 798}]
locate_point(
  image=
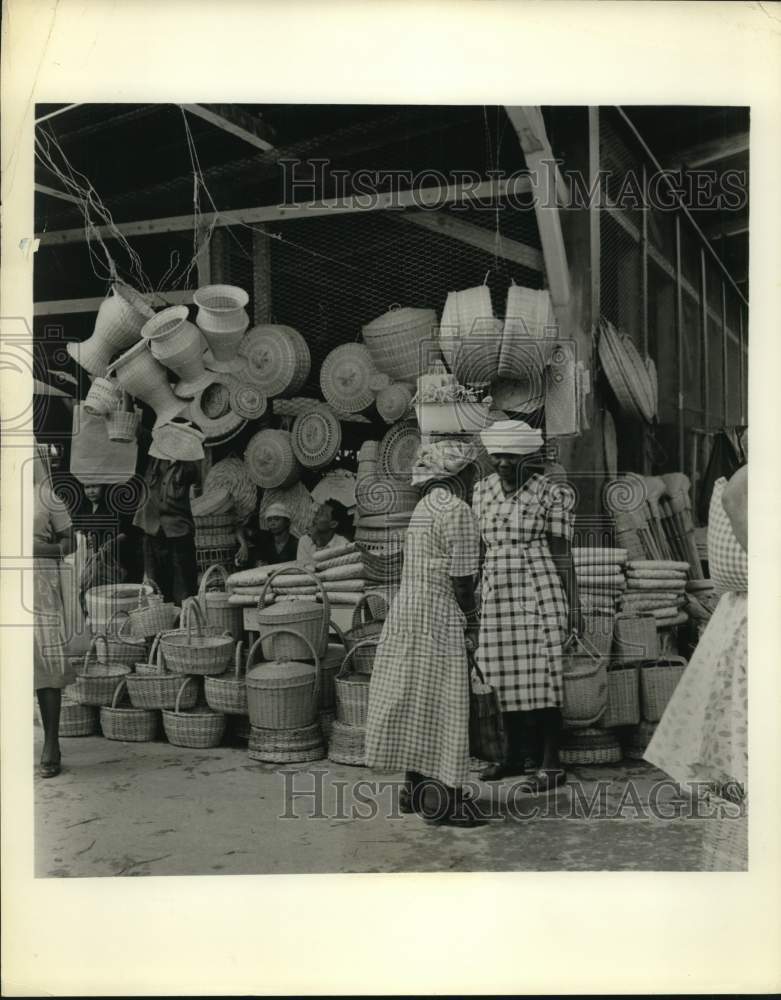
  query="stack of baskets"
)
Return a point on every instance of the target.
[
  {"x": 215, "y": 539},
  {"x": 283, "y": 699},
  {"x": 127, "y": 723},
  {"x": 153, "y": 687},
  {"x": 103, "y": 602},
  {"x": 215, "y": 605}
]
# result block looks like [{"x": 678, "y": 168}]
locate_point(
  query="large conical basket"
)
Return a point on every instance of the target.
[{"x": 117, "y": 327}]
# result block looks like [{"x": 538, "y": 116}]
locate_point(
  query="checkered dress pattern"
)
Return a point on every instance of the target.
[
  {"x": 418, "y": 716},
  {"x": 727, "y": 561},
  {"x": 524, "y": 607}
]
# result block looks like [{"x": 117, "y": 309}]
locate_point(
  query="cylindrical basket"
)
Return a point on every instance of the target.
[
  {"x": 102, "y": 602},
  {"x": 306, "y": 622},
  {"x": 347, "y": 744},
  {"x": 658, "y": 681},
  {"x": 352, "y": 690},
  {"x": 283, "y": 694},
  {"x": 585, "y": 684},
  {"x": 128, "y": 725},
  {"x": 365, "y": 625},
  {"x": 96, "y": 685},
  {"x": 634, "y": 639},
  {"x": 623, "y": 697},
  {"x": 198, "y": 728},
  {"x": 402, "y": 341},
  {"x": 217, "y": 609}
]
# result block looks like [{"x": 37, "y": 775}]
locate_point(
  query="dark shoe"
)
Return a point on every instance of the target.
[
  {"x": 495, "y": 772},
  {"x": 49, "y": 770},
  {"x": 409, "y": 795},
  {"x": 545, "y": 781}
]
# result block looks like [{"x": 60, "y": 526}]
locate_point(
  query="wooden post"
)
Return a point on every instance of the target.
[
  {"x": 261, "y": 275},
  {"x": 679, "y": 342},
  {"x": 724, "y": 380},
  {"x": 593, "y": 213},
  {"x": 704, "y": 338},
  {"x": 741, "y": 369},
  {"x": 219, "y": 257}
]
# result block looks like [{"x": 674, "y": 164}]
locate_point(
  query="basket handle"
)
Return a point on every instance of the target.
[
  {"x": 92, "y": 647},
  {"x": 364, "y": 642},
  {"x": 576, "y": 640},
  {"x": 119, "y": 611},
  {"x": 323, "y": 595},
  {"x": 192, "y": 609},
  {"x": 149, "y": 582},
  {"x": 237, "y": 657},
  {"x": 154, "y": 649},
  {"x": 339, "y": 634},
  {"x": 180, "y": 692},
  {"x": 214, "y": 568},
  {"x": 678, "y": 661},
  {"x": 362, "y": 613},
  {"x": 117, "y": 689},
  {"x": 290, "y": 631}
]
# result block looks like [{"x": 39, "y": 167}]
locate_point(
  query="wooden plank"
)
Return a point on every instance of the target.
[
  {"x": 261, "y": 277},
  {"x": 704, "y": 339},
  {"x": 228, "y": 126},
  {"x": 679, "y": 342},
  {"x": 475, "y": 236},
  {"x": 418, "y": 198},
  {"x": 594, "y": 215},
  {"x": 54, "y": 193},
  {"x": 530, "y": 128},
  {"x": 61, "y": 307}
]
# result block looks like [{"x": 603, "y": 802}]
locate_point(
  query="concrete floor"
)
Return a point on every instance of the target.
[{"x": 157, "y": 809}]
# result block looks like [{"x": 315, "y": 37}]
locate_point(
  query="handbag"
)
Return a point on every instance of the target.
[{"x": 487, "y": 738}]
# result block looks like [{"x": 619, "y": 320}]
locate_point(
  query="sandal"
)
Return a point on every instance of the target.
[{"x": 544, "y": 781}]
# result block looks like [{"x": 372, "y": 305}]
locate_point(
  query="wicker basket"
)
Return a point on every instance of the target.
[
  {"x": 347, "y": 744},
  {"x": 623, "y": 697},
  {"x": 271, "y": 461},
  {"x": 228, "y": 693},
  {"x": 352, "y": 690},
  {"x": 215, "y": 530},
  {"x": 386, "y": 567},
  {"x": 365, "y": 625},
  {"x": 102, "y": 602},
  {"x": 635, "y": 639},
  {"x": 658, "y": 681},
  {"x": 197, "y": 728},
  {"x": 376, "y": 494},
  {"x": 401, "y": 340},
  {"x": 96, "y": 685},
  {"x": 128, "y": 725},
  {"x": 247, "y": 400},
  {"x": 122, "y": 425},
  {"x": 725, "y": 843},
  {"x": 223, "y": 556},
  {"x": 116, "y": 647},
  {"x": 78, "y": 720},
  {"x": 283, "y": 694},
  {"x": 598, "y": 630},
  {"x": 217, "y": 609},
  {"x": 330, "y": 665},
  {"x": 154, "y": 687},
  {"x": 345, "y": 378},
  {"x": 196, "y": 650},
  {"x": 103, "y": 397},
  {"x": 593, "y": 746},
  {"x": 287, "y": 746},
  {"x": 398, "y": 449},
  {"x": 627, "y": 373},
  {"x": 216, "y": 501},
  {"x": 585, "y": 684},
  {"x": 148, "y": 621},
  {"x": 316, "y": 437},
  {"x": 278, "y": 359},
  {"x": 393, "y": 403},
  {"x": 306, "y": 622}
]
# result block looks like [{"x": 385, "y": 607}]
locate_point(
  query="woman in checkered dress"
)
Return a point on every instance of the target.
[
  {"x": 529, "y": 595},
  {"x": 418, "y": 719}
]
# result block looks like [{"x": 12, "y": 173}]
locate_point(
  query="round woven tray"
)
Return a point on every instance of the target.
[
  {"x": 394, "y": 402},
  {"x": 627, "y": 373},
  {"x": 345, "y": 378},
  {"x": 316, "y": 437},
  {"x": 398, "y": 450},
  {"x": 271, "y": 460},
  {"x": 278, "y": 359}
]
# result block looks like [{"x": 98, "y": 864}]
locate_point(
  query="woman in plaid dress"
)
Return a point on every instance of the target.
[
  {"x": 418, "y": 719},
  {"x": 529, "y": 594}
]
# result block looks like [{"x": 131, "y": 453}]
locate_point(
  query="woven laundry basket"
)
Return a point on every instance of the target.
[
  {"x": 316, "y": 437},
  {"x": 271, "y": 460},
  {"x": 282, "y": 694},
  {"x": 402, "y": 341},
  {"x": 346, "y": 376}
]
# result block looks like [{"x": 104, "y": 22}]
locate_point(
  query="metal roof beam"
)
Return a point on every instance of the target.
[
  {"x": 711, "y": 152},
  {"x": 253, "y": 136}
]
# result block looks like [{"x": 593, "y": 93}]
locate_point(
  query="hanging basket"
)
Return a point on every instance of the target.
[
  {"x": 247, "y": 400},
  {"x": 122, "y": 425},
  {"x": 128, "y": 725},
  {"x": 627, "y": 373},
  {"x": 104, "y": 397},
  {"x": 402, "y": 341},
  {"x": 398, "y": 450},
  {"x": 393, "y": 403},
  {"x": 271, "y": 460},
  {"x": 345, "y": 378},
  {"x": 316, "y": 437},
  {"x": 198, "y": 728},
  {"x": 278, "y": 359}
]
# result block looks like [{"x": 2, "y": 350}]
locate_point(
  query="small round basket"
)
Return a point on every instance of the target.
[
  {"x": 352, "y": 690},
  {"x": 118, "y": 645},
  {"x": 400, "y": 341},
  {"x": 394, "y": 402},
  {"x": 96, "y": 684},
  {"x": 154, "y": 687},
  {"x": 196, "y": 650},
  {"x": 122, "y": 425},
  {"x": 345, "y": 378},
  {"x": 228, "y": 692},
  {"x": 377, "y": 494},
  {"x": 103, "y": 397},
  {"x": 128, "y": 725},
  {"x": 270, "y": 459},
  {"x": 287, "y": 746},
  {"x": 398, "y": 449},
  {"x": 316, "y": 437},
  {"x": 197, "y": 727},
  {"x": 347, "y": 744}
]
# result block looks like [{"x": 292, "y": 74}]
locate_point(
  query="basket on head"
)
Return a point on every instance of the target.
[
  {"x": 347, "y": 744},
  {"x": 96, "y": 683},
  {"x": 154, "y": 687},
  {"x": 216, "y": 606},
  {"x": 228, "y": 692},
  {"x": 352, "y": 690},
  {"x": 193, "y": 649},
  {"x": 658, "y": 682},
  {"x": 287, "y": 746},
  {"x": 147, "y": 620},
  {"x": 584, "y": 678},
  {"x": 197, "y": 727},
  {"x": 306, "y": 622},
  {"x": 635, "y": 638},
  {"x": 284, "y": 693},
  {"x": 365, "y": 625},
  {"x": 119, "y": 645},
  {"x": 128, "y": 725}
]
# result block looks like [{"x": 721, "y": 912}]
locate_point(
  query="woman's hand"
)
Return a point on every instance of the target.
[
  {"x": 575, "y": 621},
  {"x": 242, "y": 556},
  {"x": 472, "y": 637}
]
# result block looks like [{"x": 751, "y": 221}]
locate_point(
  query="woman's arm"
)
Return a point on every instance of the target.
[
  {"x": 735, "y": 501},
  {"x": 464, "y": 593},
  {"x": 561, "y": 551}
]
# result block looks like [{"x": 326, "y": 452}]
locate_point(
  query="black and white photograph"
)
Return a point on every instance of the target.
[
  {"x": 392, "y": 511},
  {"x": 377, "y": 385}
]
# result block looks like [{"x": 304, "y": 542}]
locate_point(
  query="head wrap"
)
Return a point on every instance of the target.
[
  {"x": 442, "y": 459},
  {"x": 511, "y": 437},
  {"x": 277, "y": 510}
]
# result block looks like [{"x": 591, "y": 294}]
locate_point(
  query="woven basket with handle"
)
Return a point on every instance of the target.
[
  {"x": 623, "y": 697},
  {"x": 352, "y": 690},
  {"x": 306, "y": 622},
  {"x": 128, "y": 725},
  {"x": 215, "y": 604},
  {"x": 635, "y": 639},
  {"x": 228, "y": 692},
  {"x": 154, "y": 687},
  {"x": 149, "y": 619},
  {"x": 347, "y": 744},
  {"x": 118, "y": 645},
  {"x": 96, "y": 683},
  {"x": 330, "y": 665},
  {"x": 194, "y": 649},
  {"x": 197, "y": 727},
  {"x": 585, "y": 684},
  {"x": 78, "y": 720},
  {"x": 283, "y": 694},
  {"x": 365, "y": 625},
  {"x": 658, "y": 682}
]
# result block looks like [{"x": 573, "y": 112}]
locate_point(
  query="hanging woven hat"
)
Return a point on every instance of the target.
[
  {"x": 338, "y": 484},
  {"x": 177, "y": 441},
  {"x": 270, "y": 459},
  {"x": 316, "y": 437},
  {"x": 345, "y": 378}
]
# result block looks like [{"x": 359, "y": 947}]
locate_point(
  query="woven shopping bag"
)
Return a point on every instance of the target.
[{"x": 487, "y": 738}]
